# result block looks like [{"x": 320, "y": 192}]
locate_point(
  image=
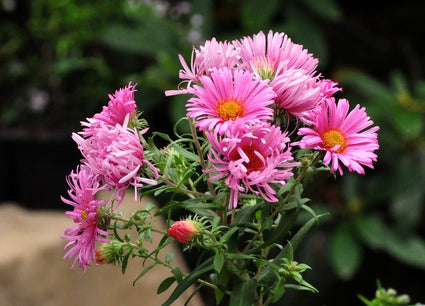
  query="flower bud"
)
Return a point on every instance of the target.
[
  {"x": 111, "y": 252},
  {"x": 184, "y": 230}
]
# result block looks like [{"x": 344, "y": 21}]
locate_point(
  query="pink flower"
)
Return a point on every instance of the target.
[
  {"x": 214, "y": 54},
  {"x": 84, "y": 184},
  {"x": 342, "y": 136},
  {"x": 227, "y": 95},
  {"x": 266, "y": 56},
  {"x": 288, "y": 66},
  {"x": 116, "y": 154},
  {"x": 119, "y": 105},
  {"x": 250, "y": 158},
  {"x": 184, "y": 230},
  {"x": 297, "y": 92}
]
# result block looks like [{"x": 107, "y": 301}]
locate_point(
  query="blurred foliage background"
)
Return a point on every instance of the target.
[{"x": 60, "y": 59}]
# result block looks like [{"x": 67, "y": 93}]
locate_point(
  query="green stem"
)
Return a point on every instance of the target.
[
  {"x": 201, "y": 155},
  {"x": 285, "y": 200}
]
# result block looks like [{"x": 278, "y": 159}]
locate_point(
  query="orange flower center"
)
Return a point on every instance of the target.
[
  {"x": 333, "y": 137},
  {"x": 230, "y": 108},
  {"x": 255, "y": 163}
]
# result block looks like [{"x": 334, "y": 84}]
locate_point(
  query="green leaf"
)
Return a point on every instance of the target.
[
  {"x": 169, "y": 256},
  {"x": 146, "y": 270},
  {"x": 372, "y": 230},
  {"x": 125, "y": 262},
  {"x": 243, "y": 292},
  {"x": 267, "y": 273},
  {"x": 409, "y": 124},
  {"x": 327, "y": 9},
  {"x": 189, "y": 280},
  {"x": 254, "y": 21},
  {"x": 410, "y": 250},
  {"x": 345, "y": 252},
  {"x": 165, "y": 284},
  {"x": 218, "y": 262},
  {"x": 286, "y": 223},
  {"x": 247, "y": 213}
]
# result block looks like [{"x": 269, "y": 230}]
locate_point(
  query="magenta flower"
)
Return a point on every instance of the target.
[
  {"x": 84, "y": 184},
  {"x": 228, "y": 95},
  {"x": 342, "y": 136},
  {"x": 250, "y": 158},
  {"x": 119, "y": 105},
  {"x": 116, "y": 154}
]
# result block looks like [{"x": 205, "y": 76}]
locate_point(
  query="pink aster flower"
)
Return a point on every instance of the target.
[
  {"x": 116, "y": 154},
  {"x": 266, "y": 56},
  {"x": 82, "y": 237},
  {"x": 250, "y": 158},
  {"x": 343, "y": 136},
  {"x": 227, "y": 95},
  {"x": 119, "y": 105},
  {"x": 213, "y": 54},
  {"x": 297, "y": 92}
]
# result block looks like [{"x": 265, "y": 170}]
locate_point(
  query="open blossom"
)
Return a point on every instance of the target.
[
  {"x": 228, "y": 95},
  {"x": 184, "y": 230},
  {"x": 342, "y": 135},
  {"x": 250, "y": 158},
  {"x": 116, "y": 154},
  {"x": 84, "y": 184}
]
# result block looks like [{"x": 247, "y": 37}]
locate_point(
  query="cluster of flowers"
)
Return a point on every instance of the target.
[
  {"x": 110, "y": 143},
  {"x": 242, "y": 93},
  {"x": 241, "y": 89}
]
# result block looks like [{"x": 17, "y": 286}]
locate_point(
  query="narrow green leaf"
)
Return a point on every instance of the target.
[
  {"x": 125, "y": 262},
  {"x": 243, "y": 292},
  {"x": 218, "y": 262},
  {"x": 345, "y": 252},
  {"x": 146, "y": 270},
  {"x": 165, "y": 284},
  {"x": 189, "y": 280}
]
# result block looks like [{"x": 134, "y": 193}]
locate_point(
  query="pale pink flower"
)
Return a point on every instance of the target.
[
  {"x": 213, "y": 54},
  {"x": 250, "y": 158},
  {"x": 116, "y": 154},
  {"x": 82, "y": 237},
  {"x": 342, "y": 136},
  {"x": 227, "y": 95}
]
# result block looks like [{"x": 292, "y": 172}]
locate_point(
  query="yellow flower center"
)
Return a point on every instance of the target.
[
  {"x": 230, "y": 108},
  {"x": 333, "y": 137}
]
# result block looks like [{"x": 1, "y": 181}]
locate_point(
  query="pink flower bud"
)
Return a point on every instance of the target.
[{"x": 184, "y": 231}]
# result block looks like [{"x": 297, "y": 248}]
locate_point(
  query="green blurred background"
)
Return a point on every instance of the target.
[{"x": 60, "y": 59}]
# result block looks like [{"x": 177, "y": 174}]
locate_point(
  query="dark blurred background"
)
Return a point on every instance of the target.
[{"x": 60, "y": 59}]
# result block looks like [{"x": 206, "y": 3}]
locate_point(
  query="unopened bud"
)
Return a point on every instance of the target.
[{"x": 184, "y": 230}]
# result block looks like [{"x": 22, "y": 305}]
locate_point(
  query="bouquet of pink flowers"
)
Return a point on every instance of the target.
[{"x": 262, "y": 122}]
